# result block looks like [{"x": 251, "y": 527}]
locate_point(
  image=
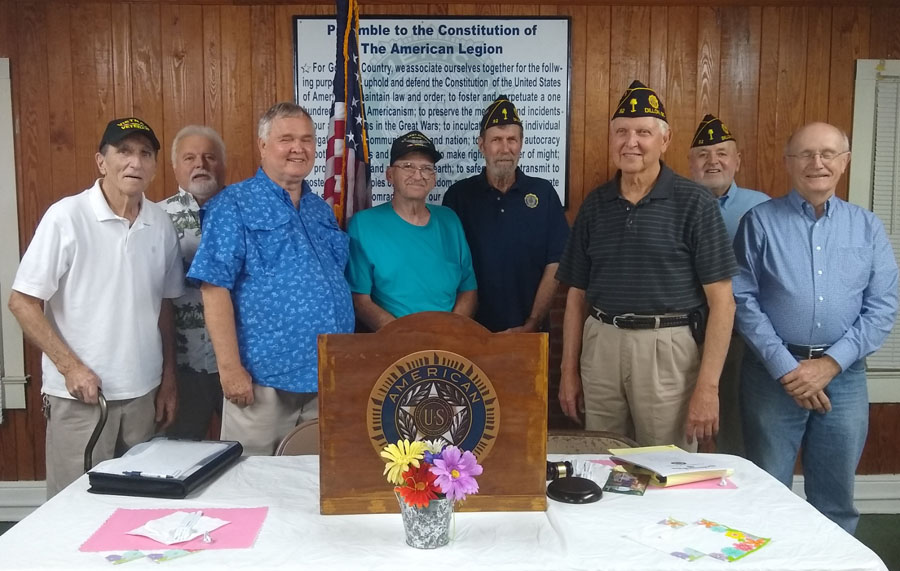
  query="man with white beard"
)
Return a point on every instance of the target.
[{"x": 198, "y": 160}]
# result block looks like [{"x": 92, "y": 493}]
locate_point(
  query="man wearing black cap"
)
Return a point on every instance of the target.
[
  {"x": 714, "y": 160},
  {"x": 648, "y": 258},
  {"x": 104, "y": 264},
  {"x": 407, "y": 256},
  {"x": 515, "y": 226}
]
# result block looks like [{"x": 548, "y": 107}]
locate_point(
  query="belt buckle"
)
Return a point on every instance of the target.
[
  {"x": 623, "y": 317},
  {"x": 816, "y": 352}
]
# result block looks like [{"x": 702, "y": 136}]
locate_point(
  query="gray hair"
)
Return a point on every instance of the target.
[
  {"x": 201, "y": 131},
  {"x": 663, "y": 126},
  {"x": 277, "y": 111}
]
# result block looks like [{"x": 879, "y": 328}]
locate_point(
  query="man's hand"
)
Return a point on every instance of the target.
[
  {"x": 166, "y": 403},
  {"x": 530, "y": 326},
  {"x": 810, "y": 377},
  {"x": 571, "y": 398},
  {"x": 83, "y": 383},
  {"x": 702, "y": 421},
  {"x": 819, "y": 402},
  {"x": 237, "y": 386}
]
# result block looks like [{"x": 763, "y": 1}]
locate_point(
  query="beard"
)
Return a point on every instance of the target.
[
  {"x": 204, "y": 188},
  {"x": 503, "y": 169}
]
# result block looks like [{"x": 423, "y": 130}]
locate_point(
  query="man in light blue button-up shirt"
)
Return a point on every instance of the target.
[
  {"x": 714, "y": 161},
  {"x": 816, "y": 293}
]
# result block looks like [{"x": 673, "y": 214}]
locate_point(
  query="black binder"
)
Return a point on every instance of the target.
[{"x": 128, "y": 483}]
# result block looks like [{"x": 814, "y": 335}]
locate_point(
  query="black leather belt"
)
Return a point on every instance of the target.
[
  {"x": 632, "y": 321},
  {"x": 808, "y": 351}
]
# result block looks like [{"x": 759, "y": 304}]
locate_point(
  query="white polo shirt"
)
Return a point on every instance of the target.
[{"x": 102, "y": 283}]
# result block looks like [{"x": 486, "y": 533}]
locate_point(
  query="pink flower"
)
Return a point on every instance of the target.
[{"x": 456, "y": 471}]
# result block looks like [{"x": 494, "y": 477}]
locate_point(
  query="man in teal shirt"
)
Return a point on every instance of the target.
[
  {"x": 407, "y": 256},
  {"x": 714, "y": 160}
]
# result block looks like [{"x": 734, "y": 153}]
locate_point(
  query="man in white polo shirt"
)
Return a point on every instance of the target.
[{"x": 93, "y": 293}]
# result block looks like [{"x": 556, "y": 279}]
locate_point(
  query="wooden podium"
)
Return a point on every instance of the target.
[{"x": 427, "y": 375}]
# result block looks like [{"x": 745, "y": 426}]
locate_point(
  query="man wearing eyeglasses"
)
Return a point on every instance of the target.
[
  {"x": 408, "y": 256},
  {"x": 816, "y": 293}
]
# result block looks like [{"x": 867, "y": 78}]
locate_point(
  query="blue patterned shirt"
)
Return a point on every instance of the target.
[
  {"x": 735, "y": 203},
  {"x": 807, "y": 281},
  {"x": 285, "y": 269}
]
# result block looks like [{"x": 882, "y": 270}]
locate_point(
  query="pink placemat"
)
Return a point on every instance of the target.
[
  {"x": 701, "y": 485},
  {"x": 240, "y": 533}
]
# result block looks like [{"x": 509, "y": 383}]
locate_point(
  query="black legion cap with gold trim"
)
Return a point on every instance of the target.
[
  {"x": 711, "y": 131},
  {"x": 500, "y": 112},
  {"x": 640, "y": 101}
]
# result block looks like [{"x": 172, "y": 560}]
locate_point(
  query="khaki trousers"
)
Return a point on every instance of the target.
[
  {"x": 70, "y": 423},
  {"x": 259, "y": 427},
  {"x": 639, "y": 382}
]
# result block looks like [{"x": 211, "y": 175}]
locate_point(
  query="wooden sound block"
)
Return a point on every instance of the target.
[{"x": 433, "y": 374}]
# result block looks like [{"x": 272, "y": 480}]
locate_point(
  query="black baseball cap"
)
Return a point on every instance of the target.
[
  {"x": 414, "y": 142},
  {"x": 118, "y": 129}
]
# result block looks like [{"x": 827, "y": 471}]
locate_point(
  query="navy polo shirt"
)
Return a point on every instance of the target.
[{"x": 512, "y": 236}]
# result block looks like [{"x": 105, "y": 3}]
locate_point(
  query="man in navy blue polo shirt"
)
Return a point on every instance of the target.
[{"x": 515, "y": 227}]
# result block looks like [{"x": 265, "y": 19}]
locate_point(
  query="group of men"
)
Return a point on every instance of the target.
[{"x": 656, "y": 264}]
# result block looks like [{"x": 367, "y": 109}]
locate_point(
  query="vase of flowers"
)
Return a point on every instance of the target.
[{"x": 429, "y": 478}]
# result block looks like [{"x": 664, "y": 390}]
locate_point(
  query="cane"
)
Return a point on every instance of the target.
[{"x": 95, "y": 436}]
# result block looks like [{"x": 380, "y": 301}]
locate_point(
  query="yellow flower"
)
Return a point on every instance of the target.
[{"x": 400, "y": 456}]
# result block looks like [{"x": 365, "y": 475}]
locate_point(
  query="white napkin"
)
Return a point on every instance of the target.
[{"x": 170, "y": 530}]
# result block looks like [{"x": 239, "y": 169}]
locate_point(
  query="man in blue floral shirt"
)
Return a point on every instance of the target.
[{"x": 272, "y": 261}]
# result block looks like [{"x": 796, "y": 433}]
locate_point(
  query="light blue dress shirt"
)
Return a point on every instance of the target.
[
  {"x": 807, "y": 281},
  {"x": 284, "y": 267},
  {"x": 735, "y": 203}
]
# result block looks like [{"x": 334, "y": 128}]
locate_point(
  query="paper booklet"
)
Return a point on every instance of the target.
[{"x": 670, "y": 465}]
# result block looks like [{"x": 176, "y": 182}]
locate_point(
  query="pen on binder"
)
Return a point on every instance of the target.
[{"x": 146, "y": 474}]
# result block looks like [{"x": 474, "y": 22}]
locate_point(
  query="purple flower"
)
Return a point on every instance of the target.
[{"x": 456, "y": 471}]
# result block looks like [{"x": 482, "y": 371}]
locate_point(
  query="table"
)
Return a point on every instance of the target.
[{"x": 295, "y": 536}]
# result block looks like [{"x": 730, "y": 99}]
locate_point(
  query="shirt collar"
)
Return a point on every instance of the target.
[
  {"x": 662, "y": 188},
  {"x": 280, "y": 192},
  {"x": 103, "y": 212},
  {"x": 728, "y": 194},
  {"x": 187, "y": 199},
  {"x": 807, "y": 209},
  {"x": 486, "y": 186}
]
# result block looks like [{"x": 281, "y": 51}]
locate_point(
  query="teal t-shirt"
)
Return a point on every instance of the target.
[{"x": 406, "y": 268}]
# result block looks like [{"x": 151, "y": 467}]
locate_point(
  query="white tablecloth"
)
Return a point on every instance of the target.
[{"x": 295, "y": 536}]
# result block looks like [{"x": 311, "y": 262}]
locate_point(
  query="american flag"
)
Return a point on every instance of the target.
[{"x": 348, "y": 174}]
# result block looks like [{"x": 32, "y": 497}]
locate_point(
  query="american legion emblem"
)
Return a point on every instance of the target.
[
  {"x": 434, "y": 394},
  {"x": 531, "y": 200}
]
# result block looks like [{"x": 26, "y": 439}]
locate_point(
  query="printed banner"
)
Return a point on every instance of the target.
[{"x": 437, "y": 75}]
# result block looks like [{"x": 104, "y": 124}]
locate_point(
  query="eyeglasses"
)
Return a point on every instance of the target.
[
  {"x": 826, "y": 156},
  {"x": 409, "y": 169}
]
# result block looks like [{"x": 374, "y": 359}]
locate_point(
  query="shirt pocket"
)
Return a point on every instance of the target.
[
  {"x": 332, "y": 241},
  {"x": 271, "y": 246},
  {"x": 855, "y": 265}
]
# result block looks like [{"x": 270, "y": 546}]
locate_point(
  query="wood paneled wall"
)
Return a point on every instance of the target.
[{"x": 764, "y": 69}]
